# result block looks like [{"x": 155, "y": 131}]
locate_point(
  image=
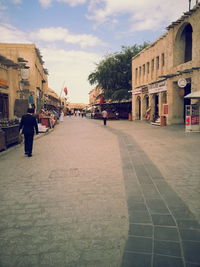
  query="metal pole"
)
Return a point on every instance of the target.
[
  {"x": 62, "y": 89},
  {"x": 189, "y": 5}
]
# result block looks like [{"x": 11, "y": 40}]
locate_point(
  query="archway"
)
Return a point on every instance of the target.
[{"x": 183, "y": 44}]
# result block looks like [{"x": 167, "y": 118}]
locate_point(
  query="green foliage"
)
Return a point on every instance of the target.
[{"x": 113, "y": 74}]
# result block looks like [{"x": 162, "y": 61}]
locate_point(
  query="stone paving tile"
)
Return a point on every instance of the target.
[
  {"x": 72, "y": 210},
  {"x": 66, "y": 205},
  {"x": 166, "y": 233},
  {"x": 163, "y": 211},
  {"x": 168, "y": 248},
  {"x": 132, "y": 259},
  {"x": 164, "y": 261},
  {"x": 145, "y": 230}
]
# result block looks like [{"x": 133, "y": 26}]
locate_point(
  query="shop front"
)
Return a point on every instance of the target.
[
  {"x": 137, "y": 94},
  {"x": 158, "y": 98},
  {"x": 192, "y": 113}
]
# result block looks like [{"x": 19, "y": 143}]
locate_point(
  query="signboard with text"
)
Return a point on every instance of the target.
[
  {"x": 165, "y": 109},
  {"x": 137, "y": 91},
  {"x": 157, "y": 87}
]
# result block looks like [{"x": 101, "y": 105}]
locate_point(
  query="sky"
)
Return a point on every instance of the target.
[{"x": 75, "y": 35}]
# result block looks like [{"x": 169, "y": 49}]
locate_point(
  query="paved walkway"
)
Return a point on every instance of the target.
[{"x": 102, "y": 196}]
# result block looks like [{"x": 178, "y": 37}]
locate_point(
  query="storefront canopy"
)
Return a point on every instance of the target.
[{"x": 193, "y": 95}]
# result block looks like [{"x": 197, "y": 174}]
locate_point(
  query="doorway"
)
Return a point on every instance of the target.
[
  {"x": 156, "y": 107},
  {"x": 4, "y": 106},
  {"x": 139, "y": 107},
  {"x": 187, "y": 101}
]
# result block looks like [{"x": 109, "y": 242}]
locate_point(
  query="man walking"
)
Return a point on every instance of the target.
[
  {"x": 105, "y": 116},
  {"x": 28, "y": 124}
]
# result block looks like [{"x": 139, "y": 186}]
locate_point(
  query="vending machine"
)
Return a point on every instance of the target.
[{"x": 192, "y": 115}]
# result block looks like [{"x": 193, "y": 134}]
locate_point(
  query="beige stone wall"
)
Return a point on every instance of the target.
[
  {"x": 168, "y": 54},
  {"x": 10, "y": 77},
  {"x": 37, "y": 78}
]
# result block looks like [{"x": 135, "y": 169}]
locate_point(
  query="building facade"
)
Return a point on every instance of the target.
[
  {"x": 28, "y": 81},
  {"x": 94, "y": 96},
  {"x": 51, "y": 100},
  {"x": 8, "y": 86},
  {"x": 167, "y": 70}
]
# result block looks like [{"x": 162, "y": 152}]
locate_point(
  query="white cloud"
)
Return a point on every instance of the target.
[
  {"x": 10, "y": 34},
  {"x": 72, "y": 3},
  {"x": 71, "y": 67},
  {"x": 143, "y": 14},
  {"x": 45, "y": 3},
  {"x": 53, "y": 34}
]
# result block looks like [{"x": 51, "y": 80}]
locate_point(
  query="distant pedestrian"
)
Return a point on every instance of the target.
[
  {"x": 28, "y": 123},
  {"x": 105, "y": 116},
  {"x": 61, "y": 116},
  {"x": 117, "y": 115}
]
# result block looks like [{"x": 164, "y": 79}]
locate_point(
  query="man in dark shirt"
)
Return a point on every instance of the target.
[{"x": 28, "y": 124}]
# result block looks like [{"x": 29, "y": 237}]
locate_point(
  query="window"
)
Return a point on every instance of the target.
[
  {"x": 188, "y": 43},
  {"x": 143, "y": 69},
  {"x": 148, "y": 64},
  {"x": 140, "y": 71},
  {"x": 163, "y": 59},
  {"x": 157, "y": 62},
  {"x": 183, "y": 44},
  {"x": 136, "y": 74},
  {"x": 152, "y": 65}
]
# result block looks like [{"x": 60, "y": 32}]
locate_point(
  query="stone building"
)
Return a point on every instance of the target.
[
  {"x": 8, "y": 86},
  {"x": 27, "y": 81},
  {"x": 51, "y": 100},
  {"x": 167, "y": 70},
  {"x": 93, "y": 96}
]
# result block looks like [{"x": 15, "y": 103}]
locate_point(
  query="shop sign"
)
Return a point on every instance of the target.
[
  {"x": 145, "y": 90},
  {"x": 195, "y": 120},
  {"x": 157, "y": 87},
  {"x": 137, "y": 91},
  {"x": 182, "y": 82},
  {"x": 3, "y": 82},
  {"x": 165, "y": 109}
]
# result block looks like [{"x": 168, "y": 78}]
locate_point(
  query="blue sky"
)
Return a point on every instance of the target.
[{"x": 73, "y": 35}]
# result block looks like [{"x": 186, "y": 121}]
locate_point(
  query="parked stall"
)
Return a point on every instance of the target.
[{"x": 10, "y": 133}]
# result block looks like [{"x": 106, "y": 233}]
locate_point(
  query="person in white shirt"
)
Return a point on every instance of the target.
[
  {"x": 105, "y": 116},
  {"x": 61, "y": 116}
]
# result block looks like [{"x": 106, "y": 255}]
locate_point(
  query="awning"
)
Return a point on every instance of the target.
[{"x": 193, "y": 95}]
